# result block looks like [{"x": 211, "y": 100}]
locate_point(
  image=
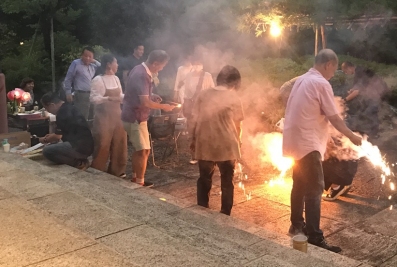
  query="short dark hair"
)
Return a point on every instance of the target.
[
  {"x": 348, "y": 64},
  {"x": 158, "y": 56},
  {"x": 229, "y": 76},
  {"x": 25, "y": 81},
  {"x": 88, "y": 48},
  {"x": 137, "y": 45},
  {"x": 50, "y": 97}
]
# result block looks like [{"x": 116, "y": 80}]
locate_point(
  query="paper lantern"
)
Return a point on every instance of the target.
[
  {"x": 18, "y": 93},
  {"x": 10, "y": 95}
]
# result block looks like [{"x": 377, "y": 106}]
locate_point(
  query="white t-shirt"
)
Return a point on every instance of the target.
[
  {"x": 192, "y": 80},
  {"x": 181, "y": 76}
]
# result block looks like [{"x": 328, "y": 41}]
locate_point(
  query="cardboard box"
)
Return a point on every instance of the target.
[{"x": 16, "y": 138}]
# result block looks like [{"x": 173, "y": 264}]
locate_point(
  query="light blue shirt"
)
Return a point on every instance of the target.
[{"x": 79, "y": 76}]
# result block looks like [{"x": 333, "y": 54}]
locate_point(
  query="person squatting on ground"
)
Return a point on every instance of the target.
[
  {"x": 78, "y": 80},
  {"x": 72, "y": 128},
  {"x": 136, "y": 109},
  {"x": 196, "y": 81},
  {"x": 310, "y": 108},
  {"x": 108, "y": 130},
  {"x": 216, "y": 136}
]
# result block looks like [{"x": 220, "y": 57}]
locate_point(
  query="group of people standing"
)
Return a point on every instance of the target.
[
  {"x": 215, "y": 127},
  {"x": 122, "y": 114}
]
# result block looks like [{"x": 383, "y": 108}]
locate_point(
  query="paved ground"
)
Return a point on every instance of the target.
[
  {"x": 59, "y": 216},
  {"x": 344, "y": 222}
]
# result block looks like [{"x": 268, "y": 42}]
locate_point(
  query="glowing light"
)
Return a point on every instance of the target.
[
  {"x": 163, "y": 199},
  {"x": 270, "y": 146},
  {"x": 275, "y": 29},
  {"x": 392, "y": 186},
  {"x": 20, "y": 43},
  {"x": 239, "y": 178},
  {"x": 25, "y": 96}
]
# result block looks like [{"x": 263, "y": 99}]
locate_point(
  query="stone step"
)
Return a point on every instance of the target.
[
  {"x": 147, "y": 226},
  {"x": 31, "y": 237}
]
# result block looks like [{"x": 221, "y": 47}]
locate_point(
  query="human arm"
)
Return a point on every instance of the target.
[
  {"x": 146, "y": 102},
  {"x": 67, "y": 84},
  {"x": 50, "y": 138},
  {"x": 193, "y": 122},
  {"x": 156, "y": 98},
  {"x": 340, "y": 125},
  {"x": 96, "y": 63},
  {"x": 352, "y": 94},
  {"x": 98, "y": 90},
  {"x": 327, "y": 104},
  {"x": 238, "y": 118}
]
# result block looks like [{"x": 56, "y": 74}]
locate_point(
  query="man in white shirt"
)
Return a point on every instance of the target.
[
  {"x": 179, "y": 88},
  {"x": 196, "y": 81},
  {"x": 310, "y": 108}
]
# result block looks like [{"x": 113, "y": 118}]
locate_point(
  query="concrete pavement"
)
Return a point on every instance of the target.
[{"x": 58, "y": 216}]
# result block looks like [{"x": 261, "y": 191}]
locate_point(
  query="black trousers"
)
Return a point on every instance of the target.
[
  {"x": 307, "y": 188},
  {"x": 204, "y": 183}
]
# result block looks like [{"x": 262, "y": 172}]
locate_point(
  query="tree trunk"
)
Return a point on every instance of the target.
[
  {"x": 323, "y": 37},
  {"x": 316, "y": 41}
]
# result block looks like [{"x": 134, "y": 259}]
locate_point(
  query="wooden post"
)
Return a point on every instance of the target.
[
  {"x": 316, "y": 41},
  {"x": 3, "y": 105},
  {"x": 323, "y": 37},
  {"x": 53, "y": 55}
]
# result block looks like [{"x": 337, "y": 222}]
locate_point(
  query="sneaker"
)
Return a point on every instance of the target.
[
  {"x": 83, "y": 165},
  {"x": 323, "y": 244},
  {"x": 123, "y": 175},
  {"x": 293, "y": 231},
  {"x": 193, "y": 161},
  {"x": 333, "y": 194}
]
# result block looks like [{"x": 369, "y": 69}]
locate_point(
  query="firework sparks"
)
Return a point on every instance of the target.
[
  {"x": 270, "y": 146},
  {"x": 240, "y": 177}
]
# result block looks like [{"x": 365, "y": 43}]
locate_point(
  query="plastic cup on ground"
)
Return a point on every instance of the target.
[{"x": 299, "y": 242}]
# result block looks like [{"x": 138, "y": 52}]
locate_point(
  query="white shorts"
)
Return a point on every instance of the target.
[{"x": 138, "y": 135}]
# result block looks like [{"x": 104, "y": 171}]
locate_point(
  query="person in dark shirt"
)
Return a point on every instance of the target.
[
  {"x": 137, "y": 103},
  {"x": 72, "y": 128},
  {"x": 361, "y": 78},
  {"x": 131, "y": 62}
]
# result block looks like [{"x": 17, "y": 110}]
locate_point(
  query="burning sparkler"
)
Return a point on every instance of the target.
[{"x": 239, "y": 177}]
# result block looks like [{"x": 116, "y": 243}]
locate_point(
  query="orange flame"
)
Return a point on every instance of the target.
[{"x": 270, "y": 146}]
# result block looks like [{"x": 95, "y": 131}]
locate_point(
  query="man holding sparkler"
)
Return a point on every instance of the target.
[
  {"x": 310, "y": 108},
  {"x": 138, "y": 100}
]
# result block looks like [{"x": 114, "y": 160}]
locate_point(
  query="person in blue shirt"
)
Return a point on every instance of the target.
[{"x": 78, "y": 80}]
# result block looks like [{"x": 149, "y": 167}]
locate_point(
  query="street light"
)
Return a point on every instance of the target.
[{"x": 275, "y": 29}]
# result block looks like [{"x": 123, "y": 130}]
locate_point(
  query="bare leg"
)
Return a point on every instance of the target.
[{"x": 139, "y": 163}]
